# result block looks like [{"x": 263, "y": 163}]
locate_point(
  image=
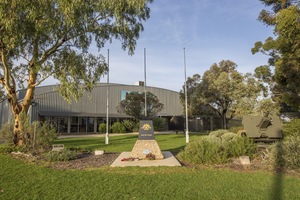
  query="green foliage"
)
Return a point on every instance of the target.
[
  {"x": 291, "y": 152},
  {"x": 223, "y": 91},
  {"x": 53, "y": 38},
  {"x": 37, "y": 136},
  {"x": 241, "y": 146},
  {"x": 159, "y": 124},
  {"x": 118, "y": 127},
  {"x": 136, "y": 127},
  {"x": 206, "y": 150},
  {"x": 63, "y": 155},
  {"x": 218, "y": 133},
  {"x": 79, "y": 149},
  {"x": 236, "y": 129},
  {"x": 41, "y": 136},
  {"x": 283, "y": 51},
  {"x": 6, "y": 133},
  {"x": 219, "y": 147},
  {"x": 102, "y": 128},
  {"x": 291, "y": 128},
  {"x": 285, "y": 153},
  {"x": 129, "y": 125},
  {"x": 134, "y": 105}
]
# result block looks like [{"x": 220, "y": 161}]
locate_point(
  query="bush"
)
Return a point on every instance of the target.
[
  {"x": 285, "y": 153},
  {"x": 129, "y": 125},
  {"x": 241, "y": 146},
  {"x": 236, "y": 129},
  {"x": 6, "y": 133},
  {"x": 118, "y": 127},
  {"x": 37, "y": 136},
  {"x": 102, "y": 128},
  {"x": 291, "y": 147},
  {"x": 63, "y": 155},
  {"x": 291, "y": 128},
  {"x": 41, "y": 137},
  {"x": 217, "y": 150},
  {"x": 79, "y": 149},
  {"x": 206, "y": 150},
  {"x": 136, "y": 127},
  {"x": 159, "y": 124},
  {"x": 218, "y": 133}
]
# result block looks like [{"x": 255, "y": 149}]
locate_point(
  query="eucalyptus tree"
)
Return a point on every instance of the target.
[
  {"x": 43, "y": 38},
  {"x": 226, "y": 92},
  {"x": 134, "y": 105},
  {"x": 283, "y": 51}
]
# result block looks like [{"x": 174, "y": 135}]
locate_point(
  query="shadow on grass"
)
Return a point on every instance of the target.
[{"x": 279, "y": 173}]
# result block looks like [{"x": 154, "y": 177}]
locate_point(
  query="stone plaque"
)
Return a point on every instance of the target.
[{"x": 146, "y": 131}]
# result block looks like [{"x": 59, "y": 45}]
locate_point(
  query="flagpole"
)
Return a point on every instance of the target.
[
  {"x": 145, "y": 78},
  {"x": 186, "y": 107},
  {"x": 107, "y": 101}
]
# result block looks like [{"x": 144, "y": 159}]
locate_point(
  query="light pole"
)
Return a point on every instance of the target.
[
  {"x": 186, "y": 107},
  {"x": 107, "y": 101}
]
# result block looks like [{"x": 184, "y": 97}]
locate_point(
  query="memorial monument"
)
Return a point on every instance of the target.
[{"x": 146, "y": 144}]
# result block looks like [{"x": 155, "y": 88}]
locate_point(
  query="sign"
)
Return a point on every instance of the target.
[{"x": 146, "y": 131}]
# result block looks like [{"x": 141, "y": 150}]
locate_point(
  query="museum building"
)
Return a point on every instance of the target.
[{"x": 85, "y": 115}]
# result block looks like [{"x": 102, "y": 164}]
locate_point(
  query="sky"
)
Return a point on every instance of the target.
[{"x": 209, "y": 31}]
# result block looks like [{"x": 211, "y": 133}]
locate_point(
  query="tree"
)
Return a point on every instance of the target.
[
  {"x": 44, "y": 38},
  {"x": 283, "y": 51},
  {"x": 226, "y": 92},
  {"x": 194, "y": 106},
  {"x": 134, "y": 105}
]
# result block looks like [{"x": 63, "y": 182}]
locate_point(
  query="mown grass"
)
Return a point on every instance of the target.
[
  {"x": 29, "y": 181},
  {"x": 19, "y": 180},
  {"x": 167, "y": 142}
]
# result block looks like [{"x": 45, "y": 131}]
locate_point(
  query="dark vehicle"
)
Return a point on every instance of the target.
[{"x": 262, "y": 128}]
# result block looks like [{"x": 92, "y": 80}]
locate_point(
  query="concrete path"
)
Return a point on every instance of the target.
[{"x": 169, "y": 160}]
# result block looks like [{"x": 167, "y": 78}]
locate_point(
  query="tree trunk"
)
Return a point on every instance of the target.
[{"x": 18, "y": 129}]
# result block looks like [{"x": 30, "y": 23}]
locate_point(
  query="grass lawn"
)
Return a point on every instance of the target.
[
  {"x": 20, "y": 180},
  {"x": 167, "y": 142}
]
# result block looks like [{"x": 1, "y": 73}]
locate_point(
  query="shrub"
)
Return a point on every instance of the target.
[
  {"x": 291, "y": 128},
  {"x": 236, "y": 129},
  {"x": 291, "y": 147},
  {"x": 37, "y": 136},
  {"x": 159, "y": 124},
  {"x": 41, "y": 136},
  {"x": 218, "y": 133},
  {"x": 79, "y": 149},
  {"x": 218, "y": 150},
  {"x": 129, "y": 125},
  {"x": 63, "y": 155},
  {"x": 284, "y": 153},
  {"x": 206, "y": 150},
  {"x": 136, "y": 127},
  {"x": 6, "y": 133},
  {"x": 241, "y": 146},
  {"x": 118, "y": 127},
  {"x": 102, "y": 128}
]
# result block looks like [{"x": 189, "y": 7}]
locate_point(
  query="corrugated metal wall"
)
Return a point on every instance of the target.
[{"x": 95, "y": 102}]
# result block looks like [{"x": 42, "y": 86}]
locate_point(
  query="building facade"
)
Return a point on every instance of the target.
[{"x": 85, "y": 115}]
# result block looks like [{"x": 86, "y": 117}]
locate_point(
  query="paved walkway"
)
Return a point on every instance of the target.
[{"x": 169, "y": 160}]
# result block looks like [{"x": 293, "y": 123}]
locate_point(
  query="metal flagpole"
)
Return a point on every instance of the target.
[
  {"x": 107, "y": 100},
  {"x": 145, "y": 82},
  {"x": 186, "y": 107}
]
